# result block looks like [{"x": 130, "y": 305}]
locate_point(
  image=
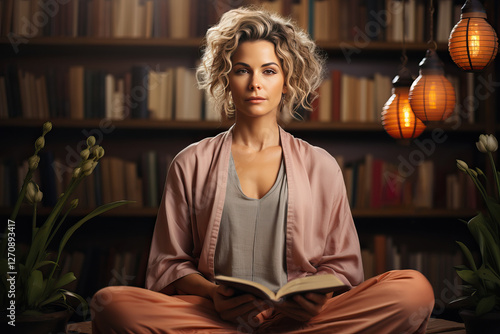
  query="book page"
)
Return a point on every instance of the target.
[
  {"x": 317, "y": 283},
  {"x": 256, "y": 289}
]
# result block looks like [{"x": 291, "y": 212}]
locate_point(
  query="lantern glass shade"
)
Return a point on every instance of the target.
[
  {"x": 398, "y": 119},
  {"x": 473, "y": 43},
  {"x": 432, "y": 96}
]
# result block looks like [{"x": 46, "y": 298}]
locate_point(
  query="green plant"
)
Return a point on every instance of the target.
[
  {"x": 483, "y": 289},
  {"x": 38, "y": 287}
]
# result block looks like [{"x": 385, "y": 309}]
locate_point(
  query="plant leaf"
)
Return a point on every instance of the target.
[
  {"x": 43, "y": 263},
  {"x": 39, "y": 244},
  {"x": 83, "y": 302},
  {"x": 65, "y": 279},
  {"x": 53, "y": 298},
  {"x": 483, "y": 235},
  {"x": 487, "y": 274},
  {"x": 35, "y": 287},
  {"x": 485, "y": 305},
  {"x": 469, "y": 276},
  {"x": 468, "y": 255},
  {"x": 494, "y": 211},
  {"x": 96, "y": 212}
]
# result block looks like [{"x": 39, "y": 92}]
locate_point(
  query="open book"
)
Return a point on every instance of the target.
[{"x": 318, "y": 283}]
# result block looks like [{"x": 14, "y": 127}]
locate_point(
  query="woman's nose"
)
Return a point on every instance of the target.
[{"x": 254, "y": 84}]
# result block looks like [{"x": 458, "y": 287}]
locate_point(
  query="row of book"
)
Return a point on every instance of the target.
[
  {"x": 108, "y": 18},
  {"x": 113, "y": 179},
  {"x": 324, "y": 19},
  {"x": 82, "y": 93},
  {"x": 383, "y": 20},
  {"x": 142, "y": 92},
  {"x": 385, "y": 252},
  {"x": 371, "y": 183},
  {"x": 374, "y": 183},
  {"x": 347, "y": 98}
]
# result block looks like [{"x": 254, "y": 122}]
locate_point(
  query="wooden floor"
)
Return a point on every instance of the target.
[{"x": 436, "y": 326}]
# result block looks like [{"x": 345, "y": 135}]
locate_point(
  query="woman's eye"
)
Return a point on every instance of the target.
[
  {"x": 242, "y": 71},
  {"x": 269, "y": 71}
]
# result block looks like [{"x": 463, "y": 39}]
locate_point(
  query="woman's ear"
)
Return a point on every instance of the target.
[{"x": 285, "y": 90}]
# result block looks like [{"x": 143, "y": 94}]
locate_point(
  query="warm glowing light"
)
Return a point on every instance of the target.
[
  {"x": 473, "y": 43},
  {"x": 432, "y": 96},
  {"x": 398, "y": 119},
  {"x": 407, "y": 113}
]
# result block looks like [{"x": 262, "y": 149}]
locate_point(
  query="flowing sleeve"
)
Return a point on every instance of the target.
[
  {"x": 342, "y": 254},
  {"x": 171, "y": 254}
]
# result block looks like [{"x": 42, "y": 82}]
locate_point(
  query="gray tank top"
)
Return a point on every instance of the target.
[{"x": 251, "y": 241}]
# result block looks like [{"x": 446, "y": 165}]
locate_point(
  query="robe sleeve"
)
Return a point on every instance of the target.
[{"x": 342, "y": 254}]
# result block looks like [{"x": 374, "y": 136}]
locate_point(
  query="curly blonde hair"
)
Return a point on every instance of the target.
[{"x": 302, "y": 63}]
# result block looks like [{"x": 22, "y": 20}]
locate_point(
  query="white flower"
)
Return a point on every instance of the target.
[
  {"x": 491, "y": 143},
  {"x": 487, "y": 143},
  {"x": 33, "y": 193},
  {"x": 462, "y": 165},
  {"x": 480, "y": 146}
]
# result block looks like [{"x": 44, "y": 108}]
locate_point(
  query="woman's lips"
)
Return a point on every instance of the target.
[{"x": 257, "y": 99}]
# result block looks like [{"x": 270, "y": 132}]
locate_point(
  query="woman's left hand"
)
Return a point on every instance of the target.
[{"x": 303, "y": 307}]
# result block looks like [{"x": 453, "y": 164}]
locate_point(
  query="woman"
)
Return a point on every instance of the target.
[{"x": 255, "y": 202}]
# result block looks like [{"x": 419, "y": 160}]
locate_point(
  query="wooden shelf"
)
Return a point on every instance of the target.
[
  {"x": 70, "y": 42},
  {"x": 81, "y": 43},
  {"x": 146, "y": 124},
  {"x": 378, "y": 46},
  {"x": 413, "y": 213}
]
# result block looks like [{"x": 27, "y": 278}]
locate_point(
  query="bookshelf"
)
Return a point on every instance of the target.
[{"x": 427, "y": 231}]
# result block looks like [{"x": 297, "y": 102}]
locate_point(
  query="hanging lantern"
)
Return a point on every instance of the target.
[
  {"x": 432, "y": 96},
  {"x": 398, "y": 119},
  {"x": 473, "y": 43}
]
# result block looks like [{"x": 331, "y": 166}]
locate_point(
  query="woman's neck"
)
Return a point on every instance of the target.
[{"x": 256, "y": 134}]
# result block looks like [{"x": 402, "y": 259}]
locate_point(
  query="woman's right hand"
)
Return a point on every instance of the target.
[{"x": 237, "y": 308}]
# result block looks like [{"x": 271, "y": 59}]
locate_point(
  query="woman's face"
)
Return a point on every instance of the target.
[{"x": 256, "y": 80}]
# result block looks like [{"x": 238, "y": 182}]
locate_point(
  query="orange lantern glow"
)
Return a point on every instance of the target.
[
  {"x": 432, "y": 96},
  {"x": 473, "y": 43},
  {"x": 398, "y": 119}
]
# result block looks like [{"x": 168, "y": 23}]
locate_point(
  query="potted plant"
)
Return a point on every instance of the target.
[
  {"x": 33, "y": 292},
  {"x": 481, "y": 300}
]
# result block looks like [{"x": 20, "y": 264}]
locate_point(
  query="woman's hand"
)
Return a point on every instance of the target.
[
  {"x": 238, "y": 309},
  {"x": 303, "y": 307}
]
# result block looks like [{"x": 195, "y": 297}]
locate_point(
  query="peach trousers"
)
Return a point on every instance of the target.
[{"x": 395, "y": 302}]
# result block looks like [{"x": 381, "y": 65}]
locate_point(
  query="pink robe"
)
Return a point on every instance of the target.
[{"x": 320, "y": 232}]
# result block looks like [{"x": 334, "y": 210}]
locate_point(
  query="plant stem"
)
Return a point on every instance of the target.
[
  {"x": 478, "y": 185},
  {"x": 22, "y": 193},
  {"x": 15, "y": 210},
  {"x": 48, "y": 242},
  {"x": 33, "y": 228},
  {"x": 495, "y": 174}
]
